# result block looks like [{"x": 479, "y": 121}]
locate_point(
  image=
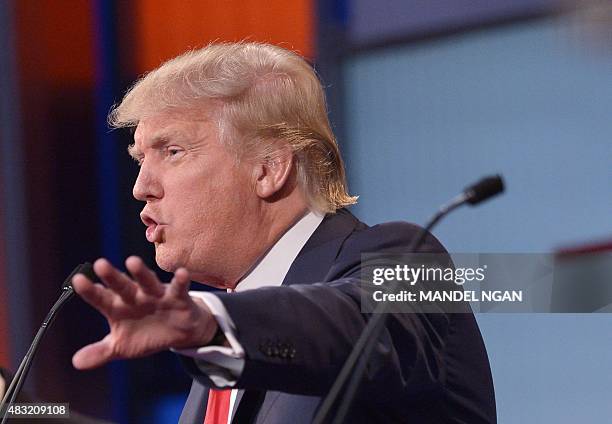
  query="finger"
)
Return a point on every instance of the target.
[
  {"x": 116, "y": 280},
  {"x": 179, "y": 286},
  {"x": 93, "y": 355},
  {"x": 145, "y": 277},
  {"x": 95, "y": 294}
]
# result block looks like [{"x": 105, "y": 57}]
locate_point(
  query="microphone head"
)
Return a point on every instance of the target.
[
  {"x": 484, "y": 189},
  {"x": 84, "y": 268}
]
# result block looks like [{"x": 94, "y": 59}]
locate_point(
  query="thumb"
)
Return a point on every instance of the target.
[{"x": 93, "y": 355}]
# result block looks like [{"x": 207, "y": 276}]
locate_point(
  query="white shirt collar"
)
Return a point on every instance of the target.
[{"x": 273, "y": 267}]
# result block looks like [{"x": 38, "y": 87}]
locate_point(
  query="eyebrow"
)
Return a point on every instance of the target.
[{"x": 159, "y": 141}]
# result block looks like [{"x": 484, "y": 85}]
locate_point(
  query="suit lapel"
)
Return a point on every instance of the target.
[
  {"x": 318, "y": 254},
  {"x": 195, "y": 406},
  {"x": 313, "y": 262}
]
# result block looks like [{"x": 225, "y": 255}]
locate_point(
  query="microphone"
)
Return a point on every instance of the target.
[
  {"x": 478, "y": 192},
  {"x": 22, "y": 372},
  {"x": 482, "y": 190}
]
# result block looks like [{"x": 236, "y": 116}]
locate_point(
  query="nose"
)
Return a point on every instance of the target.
[{"x": 147, "y": 186}]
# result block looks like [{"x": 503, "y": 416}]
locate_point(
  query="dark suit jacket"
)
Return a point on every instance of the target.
[{"x": 426, "y": 368}]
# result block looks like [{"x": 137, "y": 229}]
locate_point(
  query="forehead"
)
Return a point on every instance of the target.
[{"x": 166, "y": 127}]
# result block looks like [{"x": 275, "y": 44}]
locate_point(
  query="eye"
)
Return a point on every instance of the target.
[{"x": 173, "y": 151}]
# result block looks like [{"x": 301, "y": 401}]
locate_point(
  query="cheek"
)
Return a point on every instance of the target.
[
  {"x": 202, "y": 207},
  {"x": 212, "y": 201}
]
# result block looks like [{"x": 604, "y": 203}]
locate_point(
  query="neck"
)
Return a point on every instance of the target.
[
  {"x": 272, "y": 221},
  {"x": 273, "y": 225}
]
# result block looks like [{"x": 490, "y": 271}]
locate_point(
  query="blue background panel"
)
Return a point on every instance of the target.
[
  {"x": 530, "y": 101},
  {"x": 423, "y": 121}
]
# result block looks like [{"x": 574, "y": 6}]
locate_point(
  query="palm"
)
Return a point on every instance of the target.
[{"x": 144, "y": 315}]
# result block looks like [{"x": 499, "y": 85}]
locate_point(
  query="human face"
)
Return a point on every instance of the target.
[{"x": 200, "y": 204}]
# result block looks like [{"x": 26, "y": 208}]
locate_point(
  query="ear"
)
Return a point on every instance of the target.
[{"x": 272, "y": 174}]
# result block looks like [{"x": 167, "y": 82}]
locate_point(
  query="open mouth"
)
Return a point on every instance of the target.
[{"x": 154, "y": 231}]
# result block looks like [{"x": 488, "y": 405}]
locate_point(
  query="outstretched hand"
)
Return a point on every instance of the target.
[{"x": 144, "y": 315}]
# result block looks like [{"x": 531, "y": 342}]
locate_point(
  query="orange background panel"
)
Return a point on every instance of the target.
[{"x": 164, "y": 29}]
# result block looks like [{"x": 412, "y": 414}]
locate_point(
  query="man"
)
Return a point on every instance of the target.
[{"x": 245, "y": 190}]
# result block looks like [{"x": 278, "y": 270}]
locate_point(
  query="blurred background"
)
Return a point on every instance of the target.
[{"x": 425, "y": 96}]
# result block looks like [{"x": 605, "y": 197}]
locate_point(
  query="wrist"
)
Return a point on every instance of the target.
[{"x": 206, "y": 327}]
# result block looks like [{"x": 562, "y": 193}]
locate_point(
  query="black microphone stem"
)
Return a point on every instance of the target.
[
  {"x": 449, "y": 207},
  {"x": 362, "y": 350},
  {"x": 365, "y": 344}
]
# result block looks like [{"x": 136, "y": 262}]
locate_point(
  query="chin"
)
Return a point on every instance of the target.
[{"x": 165, "y": 260}]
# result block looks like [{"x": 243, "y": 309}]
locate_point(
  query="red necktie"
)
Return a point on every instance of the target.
[{"x": 217, "y": 409}]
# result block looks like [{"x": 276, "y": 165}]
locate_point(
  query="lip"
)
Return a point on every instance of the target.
[{"x": 154, "y": 231}]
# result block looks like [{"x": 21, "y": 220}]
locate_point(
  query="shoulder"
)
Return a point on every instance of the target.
[
  {"x": 389, "y": 238},
  {"x": 393, "y": 236}
]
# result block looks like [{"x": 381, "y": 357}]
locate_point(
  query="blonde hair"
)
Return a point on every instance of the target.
[{"x": 264, "y": 97}]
